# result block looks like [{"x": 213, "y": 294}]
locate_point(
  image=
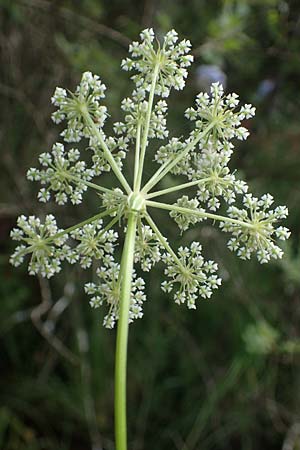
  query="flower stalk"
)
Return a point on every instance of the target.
[
  {"x": 147, "y": 124},
  {"x": 168, "y": 166},
  {"x": 107, "y": 152},
  {"x": 122, "y": 333},
  {"x": 201, "y": 214}
]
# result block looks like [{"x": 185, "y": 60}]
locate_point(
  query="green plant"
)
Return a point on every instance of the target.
[{"x": 202, "y": 158}]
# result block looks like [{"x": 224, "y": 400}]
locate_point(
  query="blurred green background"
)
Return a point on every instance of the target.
[{"x": 223, "y": 377}]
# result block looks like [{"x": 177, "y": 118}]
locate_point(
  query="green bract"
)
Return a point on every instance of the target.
[{"x": 203, "y": 157}]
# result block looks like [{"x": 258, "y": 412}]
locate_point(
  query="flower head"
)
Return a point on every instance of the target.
[
  {"x": 203, "y": 158},
  {"x": 43, "y": 241},
  {"x": 191, "y": 276},
  {"x": 63, "y": 173},
  {"x": 220, "y": 111},
  {"x": 107, "y": 291},
  {"x": 169, "y": 152},
  {"x": 147, "y": 248},
  {"x": 86, "y": 99},
  {"x": 170, "y": 60},
  {"x": 258, "y": 236},
  {"x": 94, "y": 242},
  {"x": 185, "y": 220},
  {"x": 216, "y": 181},
  {"x": 136, "y": 110}
]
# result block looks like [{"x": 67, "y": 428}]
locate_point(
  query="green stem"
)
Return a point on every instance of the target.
[
  {"x": 147, "y": 125},
  {"x": 167, "y": 166},
  {"x": 88, "y": 183},
  {"x": 177, "y": 187},
  {"x": 107, "y": 153},
  {"x": 137, "y": 155},
  {"x": 162, "y": 239},
  {"x": 203, "y": 214},
  {"x": 122, "y": 334},
  {"x": 81, "y": 224},
  {"x": 78, "y": 225}
]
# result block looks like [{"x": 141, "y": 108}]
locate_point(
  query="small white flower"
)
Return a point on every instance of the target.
[
  {"x": 219, "y": 110},
  {"x": 93, "y": 243},
  {"x": 190, "y": 276},
  {"x": 147, "y": 248},
  {"x": 39, "y": 239},
  {"x": 169, "y": 152},
  {"x": 63, "y": 174},
  {"x": 87, "y": 97},
  {"x": 258, "y": 237},
  {"x": 171, "y": 60},
  {"x": 184, "y": 221},
  {"x": 107, "y": 291}
]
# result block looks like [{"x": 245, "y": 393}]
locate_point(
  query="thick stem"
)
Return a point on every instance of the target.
[
  {"x": 122, "y": 334},
  {"x": 107, "y": 153}
]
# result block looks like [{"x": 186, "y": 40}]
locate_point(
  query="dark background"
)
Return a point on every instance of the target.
[{"x": 223, "y": 377}]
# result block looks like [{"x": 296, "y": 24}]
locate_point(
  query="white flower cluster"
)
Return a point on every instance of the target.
[
  {"x": 147, "y": 248},
  {"x": 191, "y": 276},
  {"x": 136, "y": 115},
  {"x": 117, "y": 146},
  {"x": 47, "y": 250},
  {"x": 64, "y": 174},
  {"x": 115, "y": 201},
  {"x": 259, "y": 236},
  {"x": 71, "y": 108},
  {"x": 169, "y": 152},
  {"x": 219, "y": 110},
  {"x": 184, "y": 221},
  {"x": 210, "y": 167},
  {"x": 171, "y": 60},
  {"x": 48, "y": 247},
  {"x": 203, "y": 158},
  {"x": 107, "y": 291},
  {"x": 93, "y": 242}
]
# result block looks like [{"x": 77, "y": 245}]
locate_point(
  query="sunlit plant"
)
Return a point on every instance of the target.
[{"x": 202, "y": 158}]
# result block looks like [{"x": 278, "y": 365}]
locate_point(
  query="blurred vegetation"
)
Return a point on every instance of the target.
[{"x": 224, "y": 377}]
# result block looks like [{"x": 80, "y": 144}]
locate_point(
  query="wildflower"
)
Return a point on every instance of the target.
[
  {"x": 170, "y": 62},
  {"x": 202, "y": 158},
  {"x": 72, "y": 108},
  {"x": 107, "y": 291},
  {"x": 44, "y": 241},
  {"x": 136, "y": 114},
  {"x": 258, "y": 237},
  {"x": 219, "y": 110},
  {"x": 183, "y": 220},
  {"x": 93, "y": 242},
  {"x": 191, "y": 275},
  {"x": 148, "y": 249},
  {"x": 216, "y": 182},
  {"x": 169, "y": 152},
  {"x": 63, "y": 173}
]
